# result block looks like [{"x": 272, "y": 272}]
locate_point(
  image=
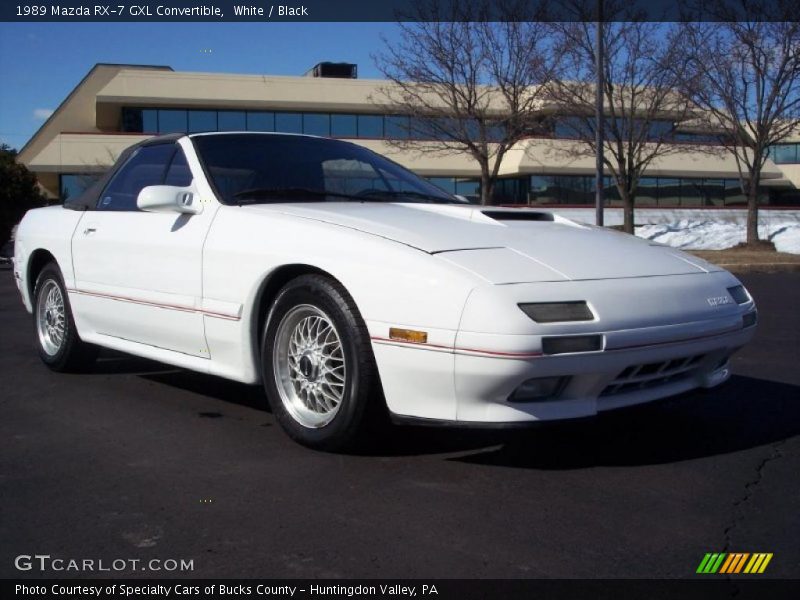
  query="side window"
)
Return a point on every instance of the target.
[
  {"x": 178, "y": 173},
  {"x": 146, "y": 167}
]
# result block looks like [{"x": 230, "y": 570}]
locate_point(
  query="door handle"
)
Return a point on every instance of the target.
[{"x": 89, "y": 230}]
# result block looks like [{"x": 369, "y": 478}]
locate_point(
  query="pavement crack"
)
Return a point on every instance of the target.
[{"x": 749, "y": 490}]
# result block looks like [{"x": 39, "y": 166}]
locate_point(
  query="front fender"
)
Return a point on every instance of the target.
[
  {"x": 47, "y": 230},
  {"x": 392, "y": 284}
]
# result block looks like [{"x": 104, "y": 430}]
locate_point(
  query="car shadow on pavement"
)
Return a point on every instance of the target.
[
  {"x": 744, "y": 413},
  {"x": 395, "y": 441},
  {"x": 387, "y": 442},
  {"x": 111, "y": 362},
  {"x": 251, "y": 396},
  {"x": 115, "y": 363}
]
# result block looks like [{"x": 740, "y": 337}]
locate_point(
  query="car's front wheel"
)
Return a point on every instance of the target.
[
  {"x": 317, "y": 365},
  {"x": 57, "y": 340}
]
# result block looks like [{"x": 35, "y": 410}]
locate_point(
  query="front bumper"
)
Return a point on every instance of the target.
[
  {"x": 598, "y": 381},
  {"x": 466, "y": 387},
  {"x": 659, "y": 338}
]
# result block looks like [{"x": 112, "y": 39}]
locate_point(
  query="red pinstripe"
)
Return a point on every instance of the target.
[{"x": 210, "y": 313}]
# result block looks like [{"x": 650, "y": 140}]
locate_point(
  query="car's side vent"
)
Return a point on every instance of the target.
[{"x": 517, "y": 215}]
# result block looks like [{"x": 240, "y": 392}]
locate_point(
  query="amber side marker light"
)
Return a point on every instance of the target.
[{"x": 408, "y": 335}]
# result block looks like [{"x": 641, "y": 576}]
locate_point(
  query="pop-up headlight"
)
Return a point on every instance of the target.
[
  {"x": 739, "y": 294},
  {"x": 557, "y": 312}
]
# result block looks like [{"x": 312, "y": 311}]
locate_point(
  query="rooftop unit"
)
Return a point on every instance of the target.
[{"x": 333, "y": 70}]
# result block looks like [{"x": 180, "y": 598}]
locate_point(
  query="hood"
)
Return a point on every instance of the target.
[{"x": 547, "y": 243}]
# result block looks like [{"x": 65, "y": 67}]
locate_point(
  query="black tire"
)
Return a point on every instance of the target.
[
  {"x": 73, "y": 354},
  {"x": 361, "y": 411}
]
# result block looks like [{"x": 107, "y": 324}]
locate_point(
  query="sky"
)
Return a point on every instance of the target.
[{"x": 40, "y": 63}]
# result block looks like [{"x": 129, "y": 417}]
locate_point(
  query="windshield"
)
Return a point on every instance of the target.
[{"x": 251, "y": 168}]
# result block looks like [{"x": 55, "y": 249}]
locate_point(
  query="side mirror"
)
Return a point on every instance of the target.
[{"x": 168, "y": 198}]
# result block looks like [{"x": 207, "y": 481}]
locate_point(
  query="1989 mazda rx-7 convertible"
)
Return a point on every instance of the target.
[{"x": 351, "y": 287}]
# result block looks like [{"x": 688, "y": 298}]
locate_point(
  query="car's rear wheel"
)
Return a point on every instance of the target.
[
  {"x": 317, "y": 364},
  {"x": 57, "y": 340}
]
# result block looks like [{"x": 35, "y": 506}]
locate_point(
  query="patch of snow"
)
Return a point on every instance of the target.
[
  {"x": 707, "y": 234},
  {"x": 787, "y": 239}
]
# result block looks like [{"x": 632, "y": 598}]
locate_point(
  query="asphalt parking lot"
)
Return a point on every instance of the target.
[{"x": 140, "y": 460}]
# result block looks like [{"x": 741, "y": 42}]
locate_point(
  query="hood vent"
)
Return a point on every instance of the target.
[{"x": 517, "y": 215}]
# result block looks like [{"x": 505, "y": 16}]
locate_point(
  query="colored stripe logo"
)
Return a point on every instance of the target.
[{"x": 733, "y": 563}]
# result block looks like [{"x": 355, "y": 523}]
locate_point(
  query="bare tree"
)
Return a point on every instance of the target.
[
  {"x": 746, "y": 75},
  {"x": 468, "y": 84},
  {"x": 642, "y": 104}
]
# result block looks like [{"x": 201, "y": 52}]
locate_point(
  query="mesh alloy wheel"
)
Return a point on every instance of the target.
[
  {"x": 309, "y": 366},
  {"x": 51, "y": 318},
  {"x": 60, "y": 347},
  {"x": 318, "y": 369}
]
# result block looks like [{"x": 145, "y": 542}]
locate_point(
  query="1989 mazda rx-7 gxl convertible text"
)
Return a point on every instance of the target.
[{"x": 351, "y": 287}]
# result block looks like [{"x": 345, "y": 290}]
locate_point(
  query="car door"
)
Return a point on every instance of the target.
[{"x": 138, "y": 274}]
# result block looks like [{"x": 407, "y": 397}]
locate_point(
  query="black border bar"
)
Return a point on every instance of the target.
[
  {"x": 710, "y": 588},
  {"x": 266, "y": 11}
]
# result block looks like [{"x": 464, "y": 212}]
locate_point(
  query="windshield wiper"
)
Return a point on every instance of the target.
[
  {"x": 280, "y": 194},
  {"x": 429, "y": 198}
]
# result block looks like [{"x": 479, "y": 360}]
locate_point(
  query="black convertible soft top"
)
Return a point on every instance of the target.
[{"x": 88, "y": 199}]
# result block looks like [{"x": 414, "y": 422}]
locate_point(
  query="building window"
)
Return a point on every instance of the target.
[
  {"x": 172, "y": 121},
  {"x": 495, "y": 132},
  {"x": 686, "y": 192},
  {"x": 785, "y": 153},
  {"x": 289, "y": 122},
  {"x": 561, "y": 189},
  {"x": 231, "y": 120},
  {"x": 669, "y": 192},
  {"x": 512, "y": 190},
  {"x": 345, "y": 126},
  {"x": 784, "y": 197},
  {"x": 647, "y": 192},
  {"x": 140, "y": 120},
  {"x": 260, "y": 121},
  {"x": 150, "y": 121},
  {"x": 370, "y": 126},
  {"x": 733, "y": 193},
  {"x": 396, "y": 127},
  {"x": 202, "y": 120},
  {"x": 699, "y": 137},
  {"x": 317, "y": 124},
  {"x": 611, "y": 192},
  {"x": 132, "y": 119},
  {"x": 714, "y": 192},
  {"x": 469, "y": 188},
  {"x": 574, "y": 127},
  {"x": 582, "y": 127},
  {"x": 691, "y": 193}
]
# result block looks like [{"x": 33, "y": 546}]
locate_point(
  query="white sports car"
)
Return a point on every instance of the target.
[{"x": 349, "y": 286}]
